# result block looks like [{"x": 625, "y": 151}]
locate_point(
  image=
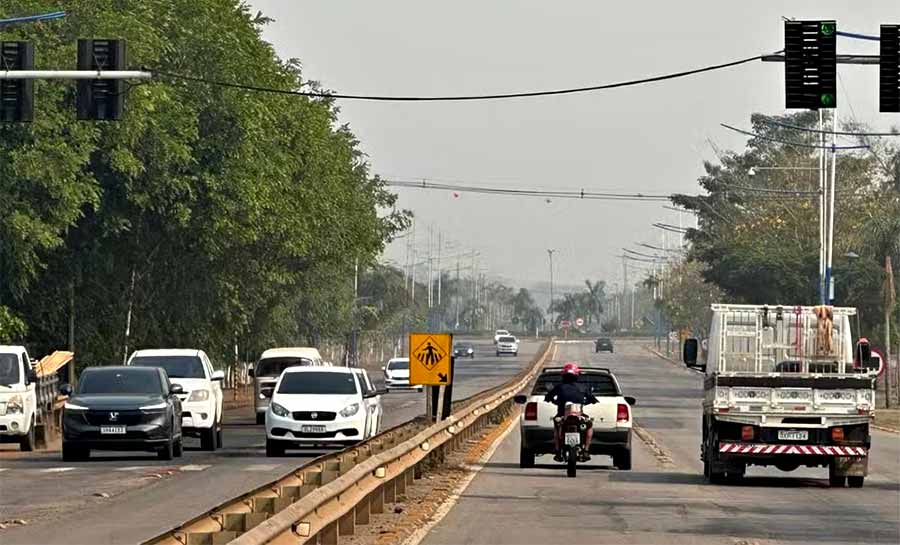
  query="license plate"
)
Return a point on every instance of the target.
[
  {"x": 573, "y": 439},
  {"x": 792, "y": 435},
  {"x": 112, "y": 430},
  {"x": 312, "y": 429}
]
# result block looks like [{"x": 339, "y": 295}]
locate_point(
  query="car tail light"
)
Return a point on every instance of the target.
[
  {"x": 622, "y": 414},
  {"x": 747, "y": 433},
  {"x": 837, "y": 434},
  {"x": 531, "y": 411}
]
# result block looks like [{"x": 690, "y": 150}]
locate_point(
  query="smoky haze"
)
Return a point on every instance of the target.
[{"x": 651, "y": 138}]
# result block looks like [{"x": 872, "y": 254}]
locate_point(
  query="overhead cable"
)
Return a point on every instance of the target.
[
  {"x": 839, "y": 133},
  {"x": 788, "y": 143}
]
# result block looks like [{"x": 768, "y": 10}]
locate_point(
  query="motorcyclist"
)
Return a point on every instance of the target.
[{"x": 570, "y": 391}]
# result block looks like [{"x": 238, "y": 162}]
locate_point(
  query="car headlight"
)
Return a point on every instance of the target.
[
  {"x": 199, "y": 395},
  {"x": 74, "y": 407},
  {"x": 14, "y": 405},
  {"x": 154, "y": 407},
  {"x": 350, "y": 410},
  {"x": 278, "y": 410},
  {"x": 470, "y": 351}
]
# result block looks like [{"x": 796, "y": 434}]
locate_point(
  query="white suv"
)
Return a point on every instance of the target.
[
  {"x": 507, "y": 345},
  {"x": 201, "y": 402},
  {"x": 321, "y": 406}
]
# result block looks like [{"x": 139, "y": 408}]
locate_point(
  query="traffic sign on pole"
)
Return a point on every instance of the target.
[
  {"x": 579, "y": 322},
  {"x": 429, "y": 359}
]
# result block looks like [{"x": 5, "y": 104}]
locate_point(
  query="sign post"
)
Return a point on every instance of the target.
[{"x": 431, "y": 364}]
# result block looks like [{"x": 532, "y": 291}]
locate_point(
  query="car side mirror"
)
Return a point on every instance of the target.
[
  {"x": 864, "y": 354},
  {"x": 65, "y": 389},
  {"x": 630, "y": 400},
  {"x": 521, "y": 399},
  {"x": 218, "y": 375},
  {"x": 689, "y": 352},
  {"x": 250, "y": 373},
  {"x": 30, "y": 376},
  {"x": 176, "y": 389}
]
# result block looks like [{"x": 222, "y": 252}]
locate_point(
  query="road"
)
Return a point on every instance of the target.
[
  {"x": 668, "y": 503},
  {"x": 65, "y": 503}
]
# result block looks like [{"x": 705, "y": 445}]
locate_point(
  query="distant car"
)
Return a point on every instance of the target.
[
  {"x": 500, "y": 333},
  {"x": 321, "y": 406},
  {"x": 464, "y": 350},
  {"x": 507, "y": 345},
  {"x": 201, "y": 402},
  {"x": 603, "y": 344},
  {"x": 269, "y": 367},
  {"x": 122, "y": 408},
  {"x": 396, "y": 375}
]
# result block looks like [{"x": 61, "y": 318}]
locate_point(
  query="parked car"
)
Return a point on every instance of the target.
[
  {"x": 396, "y": 375},
  {"x": 508, "y": 345},
  {"x": 612, "y": 417},
  {"x": 321, "y": 406},
  {"x": 18, "y": 399},
  {"x": 201, "y": 402},
  {"x": 603, "y": 344},
  {"x": 269, "y": 367},
  {"x": 122, "y": 408},
  {"x": 500, "y": 333},
  {"x": 464, "y": 350}
]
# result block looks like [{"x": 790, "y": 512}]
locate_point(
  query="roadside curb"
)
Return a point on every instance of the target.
[
  {"x": 667, "y": 359},
  {"x": 888, "y": 430}
]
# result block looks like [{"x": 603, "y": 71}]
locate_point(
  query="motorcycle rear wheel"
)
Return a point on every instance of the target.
[{"x": 571, "y": 464}]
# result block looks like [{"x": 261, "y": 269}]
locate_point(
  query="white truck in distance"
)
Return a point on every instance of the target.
[
  {"x": 18, "y": 397},
  {"x": 500, "y": 333},
  {"x": 782, "y": 388}
]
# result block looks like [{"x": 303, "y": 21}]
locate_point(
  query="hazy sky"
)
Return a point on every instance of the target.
[{"x": 651, "y": 138}]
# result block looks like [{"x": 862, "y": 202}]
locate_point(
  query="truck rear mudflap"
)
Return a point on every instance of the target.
[{"x": 757, "y": 449}]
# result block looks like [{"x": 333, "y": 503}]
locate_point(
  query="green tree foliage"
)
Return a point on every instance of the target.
[
  {"x": 587, "y": 304},
  {"x": 526, "y": 314},
  {"x": 238, "y": 215}
]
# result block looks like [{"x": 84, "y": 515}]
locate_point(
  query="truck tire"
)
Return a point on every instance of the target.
[
  {"x": 710, "y": 458},
  {"x": 526, "y": 458},
  {"x": 855, "y": 482},
  {"x": 622, "y": 459},
  {"x": 835, "y": 480},
  {"x": 208, "y": 438},
  {"x": 26, "y": 443}
]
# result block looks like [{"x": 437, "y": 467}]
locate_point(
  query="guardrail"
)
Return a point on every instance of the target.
[{"x": 328, "y": 497}]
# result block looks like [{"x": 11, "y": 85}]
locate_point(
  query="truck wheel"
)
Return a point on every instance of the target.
[
  {"x": 835, "y": 480},
  {"x": 710, "y": 459},
  {"x": 855, "y": 482},
  {"x": 260, "y": 418},
  {"x": 622, "y": 460},
  {"x": 526, "y": 458},
  {"x": 208, "y": 438},
  {"x": 274, "y": 448},
  {"x": 26, "y": 443}
]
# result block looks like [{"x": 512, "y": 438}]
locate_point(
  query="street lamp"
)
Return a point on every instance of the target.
[{"x": 550, "y": 253}]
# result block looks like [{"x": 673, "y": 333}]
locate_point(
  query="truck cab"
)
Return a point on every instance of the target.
[
  {"x": 18, "y": 400},
  {"x": 783, "y": 387}
]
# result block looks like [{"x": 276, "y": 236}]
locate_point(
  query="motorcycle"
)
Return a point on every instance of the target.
[{"x": 573, "y": 429}]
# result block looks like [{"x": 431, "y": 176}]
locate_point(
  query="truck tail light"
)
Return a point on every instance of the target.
[
  {"x": 531, "y": 411},
  {"x": 622, "y": 413},
  {"x": 747, "y": 433},
  {"x": 837, "y": 434}
]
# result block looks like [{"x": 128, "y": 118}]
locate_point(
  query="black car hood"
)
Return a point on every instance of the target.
[{"x": 115, "y": 401}]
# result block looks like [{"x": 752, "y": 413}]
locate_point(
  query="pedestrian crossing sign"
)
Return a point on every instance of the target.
[{"x": 429, "y": 359}]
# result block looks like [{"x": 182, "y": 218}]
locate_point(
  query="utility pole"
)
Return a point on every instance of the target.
[
  {"x": 457, "y": 290},
  {"x": 550, "y": 309},
  {"x": 439, "y": 273},
  {"x": 888, "y": 307},
  {"x": 828, "y": 271}
]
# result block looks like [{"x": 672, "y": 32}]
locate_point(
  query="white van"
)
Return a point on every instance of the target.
[{"x": 269, "y": 367}]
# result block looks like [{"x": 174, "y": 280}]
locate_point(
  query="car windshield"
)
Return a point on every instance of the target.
[
  {"x": 175, "y": 366},
  {"x": 120, "y": 381},
  {"x": 9, "y": 369},
  {"x": 507, "y": 339},
  {"x": 502, "y": 332},
  {"x": 272, "y": 367},
  {"x": 601, "y": 385},
  {"x": 318, "y": 383},
  {"x": 401, "y": 365},
  {"x": 463, "y": 347}
]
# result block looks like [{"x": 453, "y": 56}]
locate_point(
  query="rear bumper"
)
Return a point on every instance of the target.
[
  {"x": 540, "y": 441},
  {"x": 728, "y": 449}
]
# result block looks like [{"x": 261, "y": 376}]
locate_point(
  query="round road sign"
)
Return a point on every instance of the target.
[{"x": 579, "y": 322}]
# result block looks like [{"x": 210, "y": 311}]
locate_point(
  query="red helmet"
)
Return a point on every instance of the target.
[{"x": 571, "y": 368}]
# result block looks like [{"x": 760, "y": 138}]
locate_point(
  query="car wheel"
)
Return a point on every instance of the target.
[
  {"x": 855, "y": 482},
  {"x": 26, "y": 443},
  {"x": 260, "y": 418},
  {"x": 498, "y": 354},
  {"x": 178, "y": 449},
  {"x": 526, "y": 458},
  {"x": 274, "y": 448},
  {"x": 219, "y": 441},
  {"x": 208, "y": 438},
  {"x": 622, "y": 460},
  {"x": 167, "y": 451},
  {"x": 74, "y": 454}
]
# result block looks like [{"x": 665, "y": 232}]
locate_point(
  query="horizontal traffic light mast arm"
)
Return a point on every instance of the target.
[
  {"x": 841, "y": 59},
  {"x": 75, "y": 74}
]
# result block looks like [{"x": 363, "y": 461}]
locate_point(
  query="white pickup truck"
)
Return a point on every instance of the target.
[
  {"x": 612, "y": 417},
  {"x": 18, "y": 397}
]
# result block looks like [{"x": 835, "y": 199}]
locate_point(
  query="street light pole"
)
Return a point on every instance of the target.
[{"x": 550, "y": 308}]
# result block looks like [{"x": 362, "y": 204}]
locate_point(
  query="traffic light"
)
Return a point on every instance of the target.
[
  {"x": 16, "y": 95},
  {"x": 810, "y": 64},
  {"x": 889, "y": 97},
  {"x": 100, "y": 99}
]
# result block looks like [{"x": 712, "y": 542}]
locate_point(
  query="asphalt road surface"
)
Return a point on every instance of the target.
[
  {"x": 664, "y": 503},
  {"x": 130, "y": 497}
]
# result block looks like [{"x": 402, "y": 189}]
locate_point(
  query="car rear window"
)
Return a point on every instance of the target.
[
  {"x": 272, "y": 367},
  {"x": 318, "y": 383},
  {"x": 398, "y": 365},
  {"x": 175, "y": 366},
  {"x": 601, "y": 385},
  {"x": 120, "y": 381}
]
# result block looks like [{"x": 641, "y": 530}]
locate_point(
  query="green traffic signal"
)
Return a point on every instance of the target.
[
  {"x": 827, "y": 28},
  {"x": 827, "y": 99}
]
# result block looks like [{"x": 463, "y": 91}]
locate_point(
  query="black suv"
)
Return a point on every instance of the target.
[
  {"x": 603, "y": 344},
  {"x": 122, "y": 408}
]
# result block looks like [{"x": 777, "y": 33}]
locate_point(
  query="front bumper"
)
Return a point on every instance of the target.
[
  {"x": 155, "y": 431},
  {"x": 13, "y": 426},
  {"x": 501, "y": 349},
  {"x": 197, "y": 415},
  {"x": 400, "y": 384},
  {"x": 338, "y": 431}
]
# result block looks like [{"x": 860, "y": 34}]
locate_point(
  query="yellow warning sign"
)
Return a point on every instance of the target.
[{"x": 429, "y": 358}]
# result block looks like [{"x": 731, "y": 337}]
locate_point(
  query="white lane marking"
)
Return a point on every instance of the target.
[
  {"x": 261, "y": 467},
  {"x": 2, "y": 469},
  {"x": 194, "y": 467},
  {"x": 133, "y": 468},
  {"x": 56, "y": 469}
]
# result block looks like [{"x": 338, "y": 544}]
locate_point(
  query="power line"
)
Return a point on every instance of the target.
[
  {"x": 839, "y": 133},
  {"x": 559, "y": 194},
  {"x": 788, "y": 143},
  {"x": 457, "y": 98}
]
